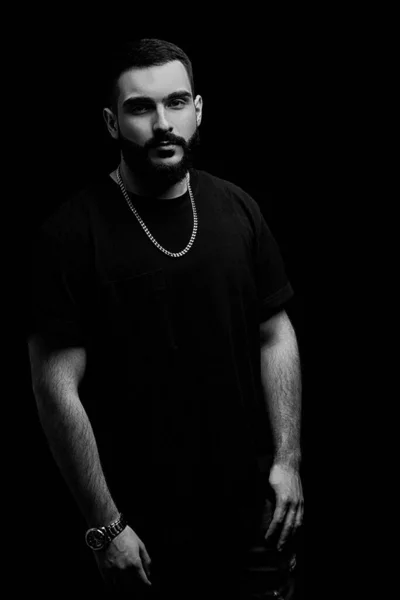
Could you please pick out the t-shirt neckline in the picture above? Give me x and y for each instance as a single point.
(152, 202)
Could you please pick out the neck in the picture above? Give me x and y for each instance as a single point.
(135, 185)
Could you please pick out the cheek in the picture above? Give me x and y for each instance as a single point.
(137, 132)
(188, 128)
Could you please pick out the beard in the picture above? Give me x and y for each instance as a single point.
(158, 177)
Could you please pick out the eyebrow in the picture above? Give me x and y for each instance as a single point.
(182, 94)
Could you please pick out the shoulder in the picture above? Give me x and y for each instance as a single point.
(71, 218)
(230, 195)
(206, 178)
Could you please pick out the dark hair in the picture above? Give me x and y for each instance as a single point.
(142, 53)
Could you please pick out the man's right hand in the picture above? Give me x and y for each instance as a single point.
(125, 562)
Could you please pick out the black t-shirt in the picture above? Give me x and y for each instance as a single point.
(172, 386)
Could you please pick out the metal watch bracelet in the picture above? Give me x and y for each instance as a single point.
(98, 538)
(115, 528)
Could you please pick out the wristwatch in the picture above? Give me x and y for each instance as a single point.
(98, 538)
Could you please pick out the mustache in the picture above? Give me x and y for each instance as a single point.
(165, 138)
(134, 147)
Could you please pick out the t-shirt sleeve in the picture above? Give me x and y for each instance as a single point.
(273, 286)
(58, 287)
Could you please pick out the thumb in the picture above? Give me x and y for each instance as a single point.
(279, 508)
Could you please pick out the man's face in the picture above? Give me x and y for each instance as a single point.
(155, 105)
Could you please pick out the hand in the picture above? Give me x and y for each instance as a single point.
(125, 561)
(285, 481)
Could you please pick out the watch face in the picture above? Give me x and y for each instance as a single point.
(95, 539)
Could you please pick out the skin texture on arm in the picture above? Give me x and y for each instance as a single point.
(56, 375)
(281, 382)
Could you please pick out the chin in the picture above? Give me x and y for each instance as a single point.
(169, 173)
(160, 172)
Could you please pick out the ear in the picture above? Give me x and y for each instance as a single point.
(198, 104)
(111, 122)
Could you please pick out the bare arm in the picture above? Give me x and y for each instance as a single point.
(280, 373)
(55, 377)
(281, 381)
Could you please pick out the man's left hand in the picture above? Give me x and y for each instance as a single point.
(285, 480)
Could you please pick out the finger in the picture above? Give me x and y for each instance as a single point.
(299, 516)
(146, 560)
(142, 574)
(287, 528)
(278, 517)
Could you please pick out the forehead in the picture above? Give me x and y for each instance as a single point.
(156, 82)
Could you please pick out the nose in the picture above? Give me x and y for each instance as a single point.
(160, 122)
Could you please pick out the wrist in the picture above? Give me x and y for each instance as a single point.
(99, 538)
(103, 518)
(290, 459)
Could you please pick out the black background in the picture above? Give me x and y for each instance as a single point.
(271, 124)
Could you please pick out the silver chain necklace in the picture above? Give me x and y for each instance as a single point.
(135, 212)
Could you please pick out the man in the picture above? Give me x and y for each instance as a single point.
(164, 365)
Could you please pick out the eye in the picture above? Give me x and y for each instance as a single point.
(139, 109)
(177, 103)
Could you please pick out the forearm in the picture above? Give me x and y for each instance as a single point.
(74, 448)
(281, 382)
